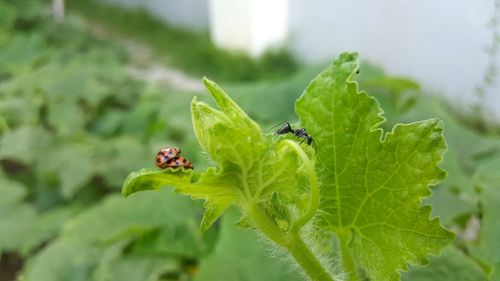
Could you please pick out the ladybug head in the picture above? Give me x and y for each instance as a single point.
(160, 161)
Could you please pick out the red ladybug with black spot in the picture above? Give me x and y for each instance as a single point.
(166, 154)
(179, 162)
(169, 157)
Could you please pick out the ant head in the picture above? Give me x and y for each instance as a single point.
(310, 141)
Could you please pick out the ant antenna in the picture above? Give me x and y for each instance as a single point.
(280, 123)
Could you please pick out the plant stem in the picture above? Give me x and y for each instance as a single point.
(348, 263)
(313, 183)
(290, 241)
(307, 260)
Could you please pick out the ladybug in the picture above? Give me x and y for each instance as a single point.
(179, 162)
(166, 154)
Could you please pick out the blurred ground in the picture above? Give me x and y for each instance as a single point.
(143, 66)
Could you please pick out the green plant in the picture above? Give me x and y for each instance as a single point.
(69, 112)
(73, 124)
(361, 186)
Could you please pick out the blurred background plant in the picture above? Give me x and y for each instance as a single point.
(80, 108)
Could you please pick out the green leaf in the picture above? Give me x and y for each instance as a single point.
(487, 174)
(16, 218)
(372, 183)
(22, 227)
(47, 226)
(448, 206)
(124, 239)
(73, 165)
(452, 265)
(227, 135)
(19, 110)
(114, 165)
(66, 117)
(7, 19)
(62, 260)
(23, 144)
(153, 180)
(20, 52)
(218, 199)
(458, 136)
(488, 249)
(114, 265)
(135, 216)
(12, 192)
(250, 168)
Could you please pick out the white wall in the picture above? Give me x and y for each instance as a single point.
(440, 43)
(252, 26)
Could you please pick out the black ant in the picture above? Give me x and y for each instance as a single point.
(300, 132)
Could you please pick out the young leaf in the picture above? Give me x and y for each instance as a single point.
(372, 183)
(250, 168)
(218, 199)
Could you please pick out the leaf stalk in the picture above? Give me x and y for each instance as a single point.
(290, 241)
(313, 184)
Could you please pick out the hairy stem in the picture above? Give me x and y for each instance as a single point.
(313, 183)
(307, 260)
(347, 260)
(290, 241)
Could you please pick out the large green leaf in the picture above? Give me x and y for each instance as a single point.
(372, 182)
(461, 160)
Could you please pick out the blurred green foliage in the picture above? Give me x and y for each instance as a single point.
(73, 124)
